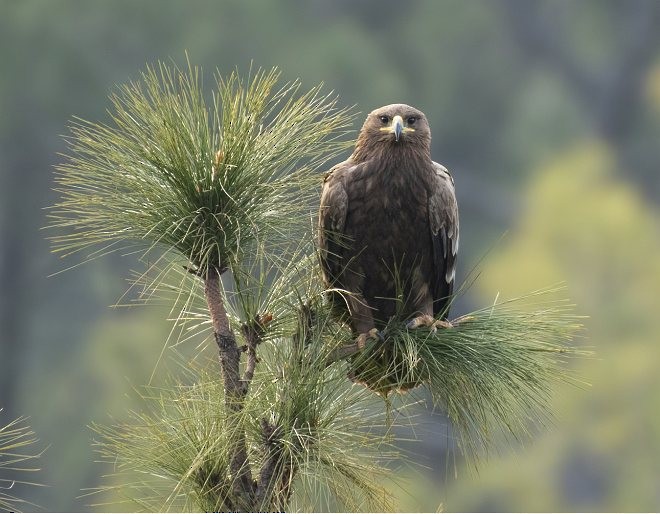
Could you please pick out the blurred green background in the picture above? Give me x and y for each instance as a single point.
(548, 114)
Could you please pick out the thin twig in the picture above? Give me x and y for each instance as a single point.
(253, 334)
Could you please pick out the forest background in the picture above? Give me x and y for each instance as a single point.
(546, 112)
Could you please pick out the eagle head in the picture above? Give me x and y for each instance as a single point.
(398, 124)
(393, 128)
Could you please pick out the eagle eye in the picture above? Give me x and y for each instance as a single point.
(384, 119)
(411, 120)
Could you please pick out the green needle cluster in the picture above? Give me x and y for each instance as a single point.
(493, 372)
(208, 179)
(16, 460)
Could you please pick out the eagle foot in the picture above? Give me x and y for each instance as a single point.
(362, 339)
(428, 321)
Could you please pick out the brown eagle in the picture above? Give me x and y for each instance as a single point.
(388, 226)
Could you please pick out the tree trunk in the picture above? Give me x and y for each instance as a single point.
(230, 354)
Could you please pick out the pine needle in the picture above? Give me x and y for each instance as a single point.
(493, 372)
(15, 437)
(211, 182)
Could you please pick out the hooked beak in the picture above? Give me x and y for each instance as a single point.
(397, 127)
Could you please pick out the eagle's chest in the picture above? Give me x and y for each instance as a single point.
(388, 216)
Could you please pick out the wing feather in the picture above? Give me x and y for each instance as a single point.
(332, 219)
(443, 222)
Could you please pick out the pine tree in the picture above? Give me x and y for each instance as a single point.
(219, 199)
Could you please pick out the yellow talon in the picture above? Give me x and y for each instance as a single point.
(428, 321)
(362, 338)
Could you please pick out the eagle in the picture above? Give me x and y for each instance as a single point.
(388, 227)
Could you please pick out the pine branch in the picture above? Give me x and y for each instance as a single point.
(278, 472)
(253, 333)
(230, 354)
(217, 185)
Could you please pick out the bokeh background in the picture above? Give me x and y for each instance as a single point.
(548, 114)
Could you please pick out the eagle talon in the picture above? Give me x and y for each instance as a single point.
(440, 323)
(428, 321)
(420, 321)
(374, 333)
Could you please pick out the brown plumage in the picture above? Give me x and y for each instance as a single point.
(389, 215)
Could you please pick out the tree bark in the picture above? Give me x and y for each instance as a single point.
(230, 354)
(272, 490)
